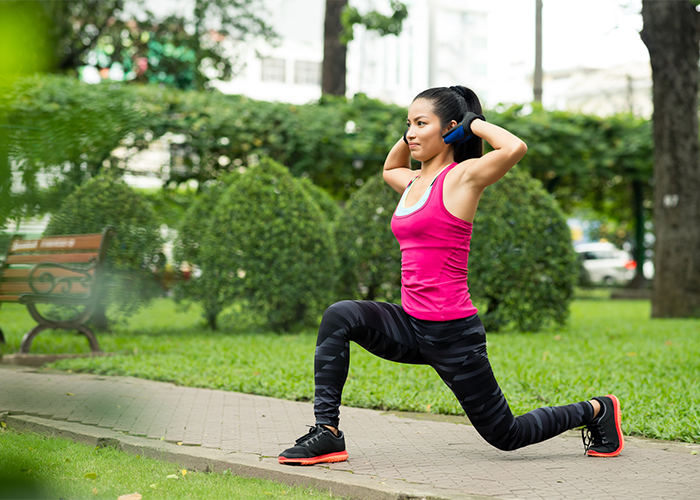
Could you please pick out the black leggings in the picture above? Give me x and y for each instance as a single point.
(455, 349)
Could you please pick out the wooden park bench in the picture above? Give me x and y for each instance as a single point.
(62, 270)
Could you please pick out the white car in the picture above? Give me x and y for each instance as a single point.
(606, 264)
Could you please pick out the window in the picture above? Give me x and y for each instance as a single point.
(273, 70)
(307, 72)
(472, 19)
(479, 42)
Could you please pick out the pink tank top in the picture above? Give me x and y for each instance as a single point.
(434, 254)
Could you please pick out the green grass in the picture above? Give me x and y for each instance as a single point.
(653, 366)
(34, 466)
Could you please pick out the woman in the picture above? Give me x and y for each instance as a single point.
(437, 323)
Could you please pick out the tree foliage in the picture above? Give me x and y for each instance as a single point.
(373, 20)
(583, 159)
(339, 20)
(183, 49)
(61, 125)
(63, 129)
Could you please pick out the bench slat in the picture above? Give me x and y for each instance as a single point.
(9, 298)
(34, 258)
(57, 244)
(23, 274)
(18, 288)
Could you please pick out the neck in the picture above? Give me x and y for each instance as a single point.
(435, 164)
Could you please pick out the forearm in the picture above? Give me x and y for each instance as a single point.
(398, 157)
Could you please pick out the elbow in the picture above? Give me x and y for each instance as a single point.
(385, 174)
(519, 150)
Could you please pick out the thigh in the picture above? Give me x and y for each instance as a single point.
(381, 328)
(461, 360)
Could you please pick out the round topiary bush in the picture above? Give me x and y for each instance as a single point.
(370, 258)
(135, 249)
(267, 245)
(196, 244)
(522, 265)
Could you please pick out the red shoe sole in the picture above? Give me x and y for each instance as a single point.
(340, 456)
(618, 427)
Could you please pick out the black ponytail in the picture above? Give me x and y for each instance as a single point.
(452, 103)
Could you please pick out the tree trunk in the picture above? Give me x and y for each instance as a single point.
(639, 280)
(672, 35)
(99, 317)
(212, 319)
(334, 52)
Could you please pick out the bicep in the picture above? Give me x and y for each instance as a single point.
(491, 167)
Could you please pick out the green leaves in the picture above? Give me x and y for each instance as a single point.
(522, 266)
(373, 20)
(370, 258)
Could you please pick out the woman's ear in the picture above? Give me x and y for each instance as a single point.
(449, 126)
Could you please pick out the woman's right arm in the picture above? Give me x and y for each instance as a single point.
(397, 167)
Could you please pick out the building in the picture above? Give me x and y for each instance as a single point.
(443, 42)
(624, 88)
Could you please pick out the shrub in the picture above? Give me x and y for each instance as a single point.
(197, 244)
(135, 248)
(370, 258)
(522, 264)
(266, 244)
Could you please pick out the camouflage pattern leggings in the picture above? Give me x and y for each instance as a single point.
(455, 349)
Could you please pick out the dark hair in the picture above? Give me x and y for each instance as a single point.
(452, 103)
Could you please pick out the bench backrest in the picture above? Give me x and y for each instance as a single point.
(55, 265)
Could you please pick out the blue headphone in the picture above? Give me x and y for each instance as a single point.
(462, 132)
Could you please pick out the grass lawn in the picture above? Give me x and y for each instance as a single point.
(653, 366)
(34, 466)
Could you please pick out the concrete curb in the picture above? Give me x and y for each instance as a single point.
(37, 360)
(242, 464)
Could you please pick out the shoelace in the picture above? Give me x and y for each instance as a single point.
(587, 439)
(592, 434)
(308, 435)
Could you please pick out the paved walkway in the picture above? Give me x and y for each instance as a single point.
(390, 455)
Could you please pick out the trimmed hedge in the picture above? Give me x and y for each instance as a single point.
(264, 243)
(134, 252)
(522, 263)
(370, 258)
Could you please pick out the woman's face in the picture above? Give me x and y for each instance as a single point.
(424, 133)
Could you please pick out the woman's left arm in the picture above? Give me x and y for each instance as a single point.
(507, 151)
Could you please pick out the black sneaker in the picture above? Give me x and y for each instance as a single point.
(318, 446)
(603, 437)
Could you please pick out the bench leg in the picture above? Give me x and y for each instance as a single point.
(2, 337)
(94, 346)
(31, 335)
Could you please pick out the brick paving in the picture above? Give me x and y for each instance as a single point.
(444, 456)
